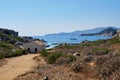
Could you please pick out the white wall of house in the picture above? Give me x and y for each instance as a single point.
(32, 46)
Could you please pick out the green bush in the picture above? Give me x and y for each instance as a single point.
(7, 55)
(19, 38)
(65, 59)
(67, 46)
(53, 57)
(2, 55)
(100, 51)
(44, 53)
(19, 52)
(114, 40)
(5, 46)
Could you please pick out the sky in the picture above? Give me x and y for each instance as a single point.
(40, 17)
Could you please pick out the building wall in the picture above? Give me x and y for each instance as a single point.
(32, 47)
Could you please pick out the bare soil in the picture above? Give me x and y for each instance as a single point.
(17, 66)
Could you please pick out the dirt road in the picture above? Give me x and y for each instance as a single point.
(17, 66)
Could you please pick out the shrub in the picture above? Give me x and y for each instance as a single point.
(62, 60)
(19, 52)
(44, 53)
(107, 67)
(115, 76)
(7, 55)
(71, 57)
(5, 46)
(67, 46)
(88, 58)
(98, 42)
(86, 44)
(80, 66)
(53, 57)
(100, 51)
(19, 38)
(2, 55)
(65, 59)
(114, 40)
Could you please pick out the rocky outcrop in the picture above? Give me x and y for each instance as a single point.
(9, 35)
(117, 35)
(8, 32)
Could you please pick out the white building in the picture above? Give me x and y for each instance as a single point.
(34, 46)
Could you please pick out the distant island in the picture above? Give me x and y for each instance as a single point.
(101, 31)
(107, 32)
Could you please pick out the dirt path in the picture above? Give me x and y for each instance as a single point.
(17, 66)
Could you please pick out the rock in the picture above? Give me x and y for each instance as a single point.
(45, 78)
(76, 54)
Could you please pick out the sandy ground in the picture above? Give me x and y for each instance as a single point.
(17, 66)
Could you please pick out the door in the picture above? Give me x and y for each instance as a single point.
(35, 50)
(28, 50)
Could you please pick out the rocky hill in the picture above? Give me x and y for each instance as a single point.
(107, 32)
(9, 36)
(8, 32)
(8, 48)
(83, 32)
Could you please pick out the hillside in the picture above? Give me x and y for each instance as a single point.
(8, 38)
(77, 62)
(107, 32)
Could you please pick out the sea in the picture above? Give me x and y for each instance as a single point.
(54, 40)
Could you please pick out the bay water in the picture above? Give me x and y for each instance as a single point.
(54, 40)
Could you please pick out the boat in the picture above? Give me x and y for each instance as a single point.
(73, 39)
(55, 43)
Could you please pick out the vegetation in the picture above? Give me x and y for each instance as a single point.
(12, 54)
(6, 46)
(114, 41)
(68, 46)
(8, 38)
(108, 67)
(100, 51)
(57, 57)
(98, 57)
(53, 57)
(16, 38)
(44, 53)
(2, 55)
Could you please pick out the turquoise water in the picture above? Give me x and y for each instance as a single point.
(55, 39)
